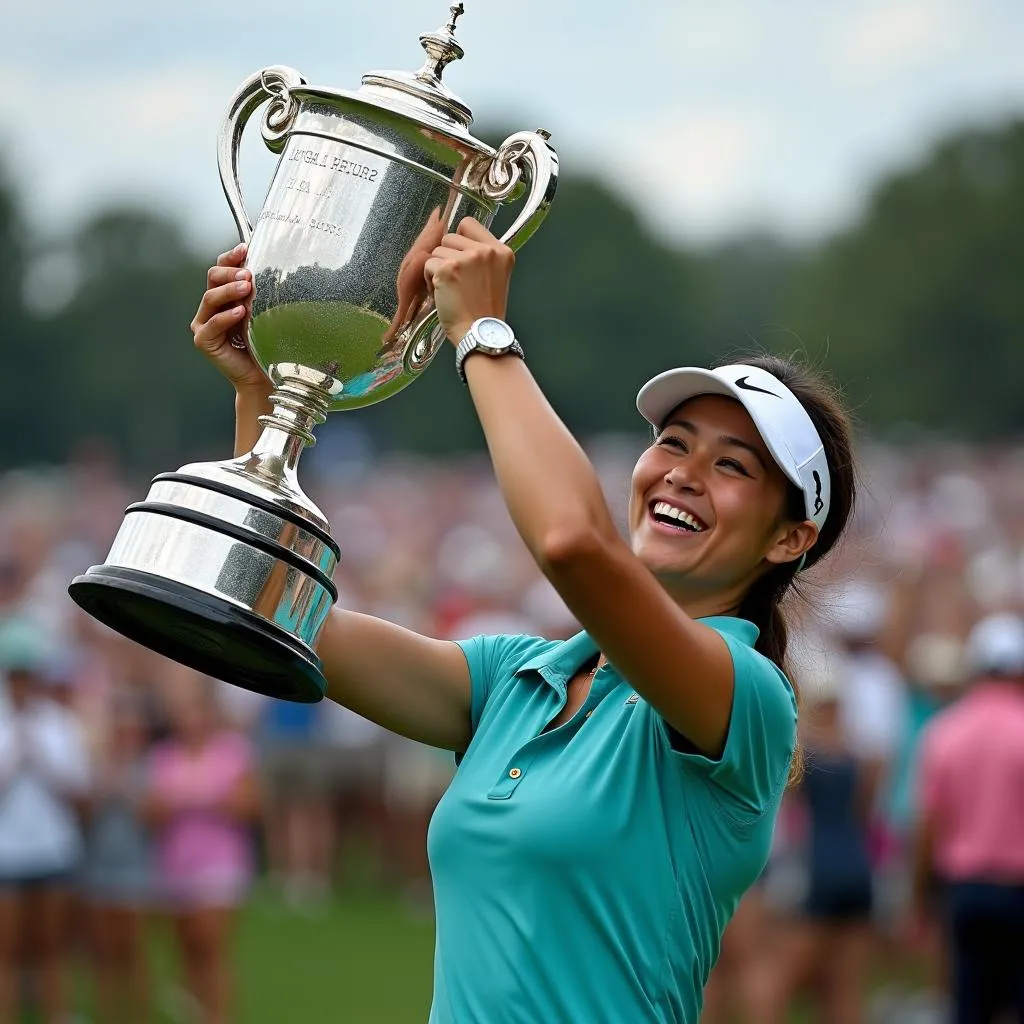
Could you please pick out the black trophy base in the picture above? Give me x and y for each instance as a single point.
(201, 631)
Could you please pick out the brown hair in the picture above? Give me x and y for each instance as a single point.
(762, 604)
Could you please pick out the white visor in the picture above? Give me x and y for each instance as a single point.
(781, 420)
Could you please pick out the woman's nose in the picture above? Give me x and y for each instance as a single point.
(685, 475)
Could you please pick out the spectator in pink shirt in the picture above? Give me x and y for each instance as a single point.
(971, 825)
(203, 803)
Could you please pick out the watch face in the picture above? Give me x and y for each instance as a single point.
(494, 333)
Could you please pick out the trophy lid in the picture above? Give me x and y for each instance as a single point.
(424, 89)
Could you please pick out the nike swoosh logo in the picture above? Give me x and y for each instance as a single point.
(742, 383)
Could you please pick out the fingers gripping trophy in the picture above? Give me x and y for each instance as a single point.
(227, 566)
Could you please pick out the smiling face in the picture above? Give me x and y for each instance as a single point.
(710, 511)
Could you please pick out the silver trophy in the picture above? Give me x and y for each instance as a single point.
(227, 566)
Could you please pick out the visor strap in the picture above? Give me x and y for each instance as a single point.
(800, 565)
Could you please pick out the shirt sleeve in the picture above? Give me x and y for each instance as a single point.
(752, 771)
(492, 659)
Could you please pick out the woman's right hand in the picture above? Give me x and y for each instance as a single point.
(221, 314)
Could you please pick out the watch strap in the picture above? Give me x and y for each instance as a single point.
(469, 345)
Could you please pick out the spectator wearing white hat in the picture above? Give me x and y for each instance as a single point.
(872, 706)
(872, 695)
(44, 775)
(971, 827)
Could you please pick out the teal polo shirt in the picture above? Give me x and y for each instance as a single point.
(585, 875)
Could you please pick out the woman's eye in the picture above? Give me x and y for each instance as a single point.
(733, 464)
(674, 442)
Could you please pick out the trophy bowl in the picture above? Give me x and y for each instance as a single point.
(228, 566)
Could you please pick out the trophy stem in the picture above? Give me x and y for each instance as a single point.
(299, 405)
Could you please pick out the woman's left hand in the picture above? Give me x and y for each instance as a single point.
(468, 275)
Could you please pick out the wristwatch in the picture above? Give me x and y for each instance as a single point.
(489, 335)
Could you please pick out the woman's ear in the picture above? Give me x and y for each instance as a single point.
(791, 542)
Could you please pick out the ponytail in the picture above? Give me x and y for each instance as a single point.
(762, 604)
(762, 607)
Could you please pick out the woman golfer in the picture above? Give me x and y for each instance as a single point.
(616, 792)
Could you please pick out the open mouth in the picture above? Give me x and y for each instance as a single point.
(675, 518)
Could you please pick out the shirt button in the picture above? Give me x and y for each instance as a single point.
(514, 773)
(588, 714)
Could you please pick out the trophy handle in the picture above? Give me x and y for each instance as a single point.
(529, 155)
(274, 84)
(523, 155)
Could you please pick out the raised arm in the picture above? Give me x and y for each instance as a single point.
(680, 666)
(408, 683)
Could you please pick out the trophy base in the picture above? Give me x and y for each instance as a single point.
(227, 567)
(200, 630)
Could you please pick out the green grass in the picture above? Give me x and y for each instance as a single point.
(362, 958)
(366, 959)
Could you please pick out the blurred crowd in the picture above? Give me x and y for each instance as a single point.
(131, 788)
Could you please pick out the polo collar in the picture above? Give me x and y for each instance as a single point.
(560, 662)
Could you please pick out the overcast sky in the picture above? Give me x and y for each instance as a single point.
(717, 116)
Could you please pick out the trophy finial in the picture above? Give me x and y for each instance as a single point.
(457, 11)
(442, 48)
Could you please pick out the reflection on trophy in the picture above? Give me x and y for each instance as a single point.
(227, 567)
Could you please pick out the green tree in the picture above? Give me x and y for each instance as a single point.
(917, 309)
(743, 285)
(24, 404)
(922, 303)
(128, 370)
(12, 252)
